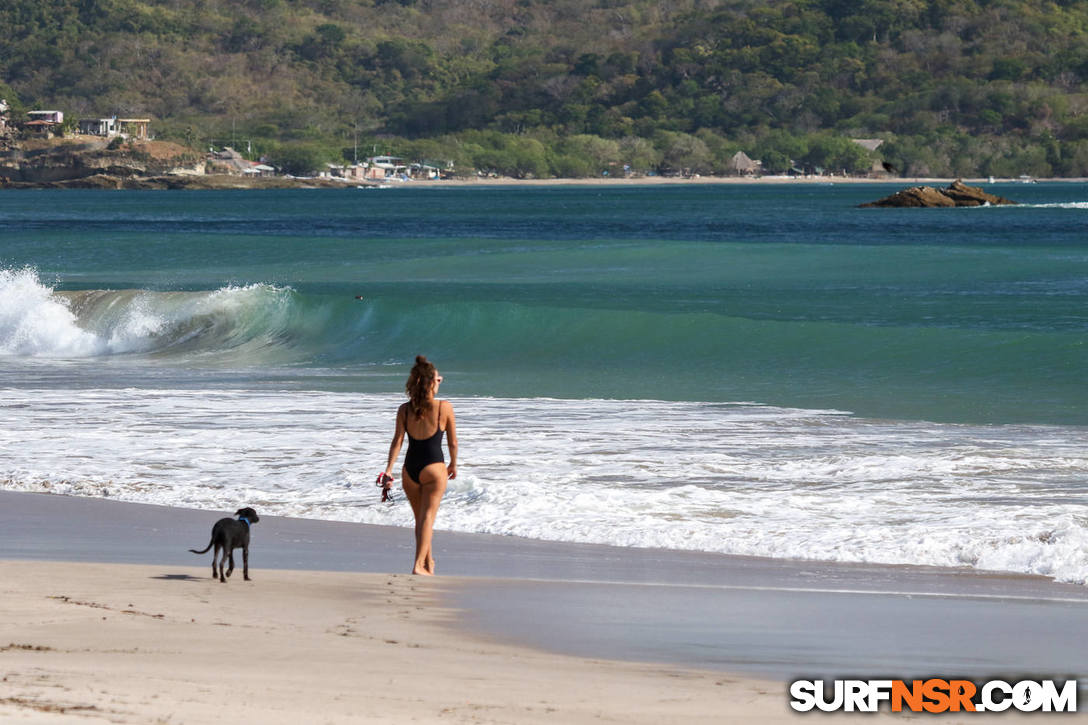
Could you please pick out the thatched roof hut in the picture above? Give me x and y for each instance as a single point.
(743, 165)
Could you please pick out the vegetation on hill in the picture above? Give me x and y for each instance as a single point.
(577, 87)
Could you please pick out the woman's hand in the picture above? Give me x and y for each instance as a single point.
(385, 481)
(452, 470)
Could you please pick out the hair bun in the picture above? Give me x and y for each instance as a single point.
(421, 359)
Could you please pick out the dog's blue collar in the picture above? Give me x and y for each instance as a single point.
(243, 518)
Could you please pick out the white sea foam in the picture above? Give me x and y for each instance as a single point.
(1058, 205)
(34, 322)
(741, 479)
(1020, 206)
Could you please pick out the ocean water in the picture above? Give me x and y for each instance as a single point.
(763, 370)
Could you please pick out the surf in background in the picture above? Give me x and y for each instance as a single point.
(36, 321)
(985, 355)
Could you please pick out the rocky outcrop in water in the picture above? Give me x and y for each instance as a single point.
(957, 194)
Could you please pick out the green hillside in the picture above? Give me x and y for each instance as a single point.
(572, 88)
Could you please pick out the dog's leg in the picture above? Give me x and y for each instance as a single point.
(223, 565)
(230, 553)
(215, 557)
(245, 563)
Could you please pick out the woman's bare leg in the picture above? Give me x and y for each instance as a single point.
(432, 488)
(411, 491)
(414, 493)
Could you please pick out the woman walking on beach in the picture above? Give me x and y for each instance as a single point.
(425, 474)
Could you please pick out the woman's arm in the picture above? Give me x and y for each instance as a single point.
(451, 441)
(398, 441)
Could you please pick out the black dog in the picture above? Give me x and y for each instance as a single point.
(228, 535)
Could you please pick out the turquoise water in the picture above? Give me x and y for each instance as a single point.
(756, 370)
(781, 295)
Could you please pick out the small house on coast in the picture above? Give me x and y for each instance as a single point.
(47, 116)
(258, 169)
(386, 167)
(394, 167)
(98, 126)
(355, 172)
(431, 169)
(743, 165)
(44, 123)
(138, 128)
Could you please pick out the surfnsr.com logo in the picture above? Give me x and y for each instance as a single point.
(934, 695)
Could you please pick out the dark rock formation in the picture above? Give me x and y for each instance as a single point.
(957, 194)
(965, 195)
(914, 196)
(95, 181)
(80, 160)
(210, 181)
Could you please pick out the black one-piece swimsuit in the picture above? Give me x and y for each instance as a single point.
(422, 452)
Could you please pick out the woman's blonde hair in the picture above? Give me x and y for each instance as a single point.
(420, 381)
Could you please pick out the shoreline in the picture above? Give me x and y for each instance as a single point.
(42, 526)
(507, 612)
(719, 180)
(213, 182)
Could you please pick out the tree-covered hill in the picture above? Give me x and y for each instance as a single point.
(576, 87)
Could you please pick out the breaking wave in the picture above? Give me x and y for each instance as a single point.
(38, 321)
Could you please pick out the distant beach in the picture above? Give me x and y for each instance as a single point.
(230, 182)
(670, 180)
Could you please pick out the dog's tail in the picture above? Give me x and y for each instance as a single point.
(205, 548)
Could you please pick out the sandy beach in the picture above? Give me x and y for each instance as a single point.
(485, 181)
(227, 182)
(151, 644)
(105, 617)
